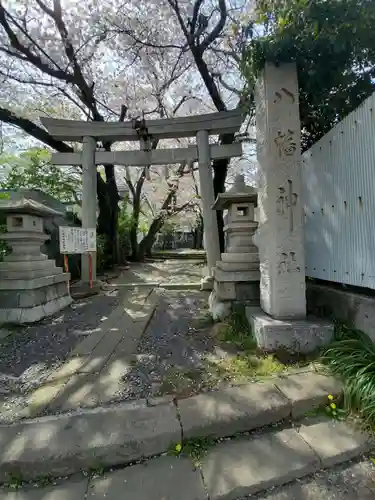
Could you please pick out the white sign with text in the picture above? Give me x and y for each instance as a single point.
(77, 240)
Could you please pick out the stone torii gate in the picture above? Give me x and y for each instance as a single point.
(200, 126)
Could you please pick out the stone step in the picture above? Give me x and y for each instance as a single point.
(116, 435)
(247, 466)
(228, 471)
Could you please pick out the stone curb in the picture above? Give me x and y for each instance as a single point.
(250, 406)
(181, 286)
(229, 470)
(159, 284)
(65, 444)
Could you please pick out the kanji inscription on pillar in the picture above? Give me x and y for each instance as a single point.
(281, 247)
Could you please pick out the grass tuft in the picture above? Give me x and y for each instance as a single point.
(248, 362)
(237, 331)
(352, 357)
(195, 448)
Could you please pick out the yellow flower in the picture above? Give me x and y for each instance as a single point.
(330, 397)
(178, 447)
(333, 406)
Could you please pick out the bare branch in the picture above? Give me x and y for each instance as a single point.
(217, 29)
(197, 6)
(34, 130)
(176, 9)
(228, 53)
(29, 55)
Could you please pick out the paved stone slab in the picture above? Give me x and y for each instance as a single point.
(67, 490)
(344, 482)
(335, 442)
(236, 409)
(42, 397)
(164, 478)
(58, 446)
(67, 369)
(85, 347)
(244, 467)
(87, 391)
(118, 365)
(308, 390)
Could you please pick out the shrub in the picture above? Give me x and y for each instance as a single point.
(352, 357)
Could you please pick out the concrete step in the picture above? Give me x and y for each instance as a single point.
(120, 434)
(246, 466)
(229, 470)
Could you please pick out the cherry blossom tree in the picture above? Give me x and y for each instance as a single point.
(110, 60)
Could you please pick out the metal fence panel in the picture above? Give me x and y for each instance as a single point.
(338, 185)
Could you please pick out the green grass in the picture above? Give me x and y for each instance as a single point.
(236, 330)
(241, 362)
(195, 448)
(352, 357)
(248, 362)
(15, 480)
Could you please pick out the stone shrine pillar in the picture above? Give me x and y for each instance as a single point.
(89, 187)
(211, 233)
(236, 275)
(31, 286)
(280, 236)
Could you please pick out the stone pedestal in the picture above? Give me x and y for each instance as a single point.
(236, 275)
(31, 286)
(280, 234)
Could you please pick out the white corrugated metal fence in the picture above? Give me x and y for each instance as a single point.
(338, 186)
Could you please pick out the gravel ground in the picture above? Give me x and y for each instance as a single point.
(177, 341)
(29, 354)
(350, 481)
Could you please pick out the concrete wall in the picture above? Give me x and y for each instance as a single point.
(354, 308)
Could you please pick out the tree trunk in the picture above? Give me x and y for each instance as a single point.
(113, 198)
(108, 199)
(198, 234)
(134, 227)
(145, 246)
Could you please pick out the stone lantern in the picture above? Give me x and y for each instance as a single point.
(31, 286)
(236, 275)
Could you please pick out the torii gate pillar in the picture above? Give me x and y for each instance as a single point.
(89, 185)
(211, 233)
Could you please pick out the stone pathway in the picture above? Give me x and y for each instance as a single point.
(28, 355)
(350, 481)
(164, 271)
(224, 432)
(83, 356)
